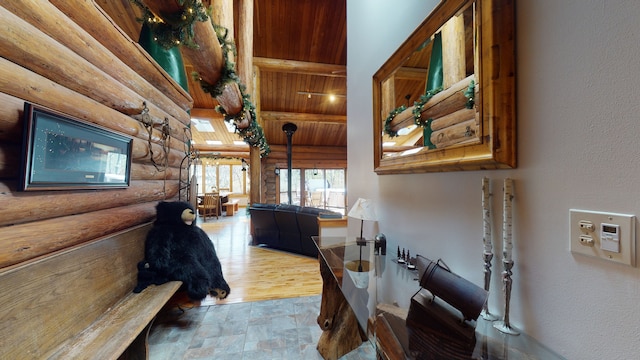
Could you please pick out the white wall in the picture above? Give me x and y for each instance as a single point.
(578, 98)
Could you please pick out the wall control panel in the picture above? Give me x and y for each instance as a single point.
(608, 236)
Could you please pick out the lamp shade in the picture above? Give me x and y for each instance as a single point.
(363, 210)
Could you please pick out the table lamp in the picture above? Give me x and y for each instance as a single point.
(363, 210)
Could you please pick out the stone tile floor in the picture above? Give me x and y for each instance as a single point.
(272, 329)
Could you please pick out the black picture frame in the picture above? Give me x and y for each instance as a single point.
(61, 152)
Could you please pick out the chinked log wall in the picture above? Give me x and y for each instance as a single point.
(49, 57)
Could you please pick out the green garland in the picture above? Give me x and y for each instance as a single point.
(387, 123)
(418, 105)
(252, 134)
(470, 94)
(177, 28)
(228, 73)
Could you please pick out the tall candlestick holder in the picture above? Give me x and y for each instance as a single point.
(487, 257)
(504, 325)
(487, 253)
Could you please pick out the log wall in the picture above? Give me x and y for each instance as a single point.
(72, 58)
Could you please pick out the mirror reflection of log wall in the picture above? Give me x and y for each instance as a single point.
(50, 60)
(483, 137)
(453, 123)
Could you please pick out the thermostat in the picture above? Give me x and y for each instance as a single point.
(610, 237)
(605, 235)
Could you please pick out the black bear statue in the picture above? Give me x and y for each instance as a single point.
(177, 249)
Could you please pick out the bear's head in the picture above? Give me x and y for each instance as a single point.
(175, 213)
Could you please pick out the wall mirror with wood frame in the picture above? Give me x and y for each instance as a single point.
(445, 100)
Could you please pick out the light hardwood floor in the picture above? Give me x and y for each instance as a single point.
(257, 273)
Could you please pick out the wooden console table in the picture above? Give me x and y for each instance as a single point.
(385, 324)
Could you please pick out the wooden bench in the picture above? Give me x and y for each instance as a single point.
(231, 206)
(78, 303)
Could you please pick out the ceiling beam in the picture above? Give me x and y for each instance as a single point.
(408, 73)
(300, 67)
(303, 117)
(222, 148)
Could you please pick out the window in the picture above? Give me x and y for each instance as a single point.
(224, 181)
(323, 188)
(237, 177)
(295, 186)
(214, 175)
(197, 169)
(210, 178)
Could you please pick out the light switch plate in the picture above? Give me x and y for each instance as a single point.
(586, 235)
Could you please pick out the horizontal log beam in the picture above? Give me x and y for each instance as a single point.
(26, 45)
(207, 59)
(231, 99)
(28, 207)
(100, 26)
(19, 82)
(204, 148)
(149, 172)
(230, 154)
(299, 67)
(279, 152)
(407, 73)
(140, 153)
(456, 117)
(441, 104)
(10, 160)
(310, 164)
(27, 241)
(462, 133)
(11, 118)
(56, 24)
(302, 117)
(310, 149)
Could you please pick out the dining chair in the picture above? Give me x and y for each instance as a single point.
(210, 206)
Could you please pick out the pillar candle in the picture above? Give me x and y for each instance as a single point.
(486, 217)
(507, 244)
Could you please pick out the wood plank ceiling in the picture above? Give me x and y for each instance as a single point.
(300, 59)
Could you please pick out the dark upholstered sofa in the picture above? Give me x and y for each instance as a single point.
(287, 227)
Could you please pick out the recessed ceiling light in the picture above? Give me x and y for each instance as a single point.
(202, 125)
(238, 142)
(230, 126)
(214, 142)
(407, 130)
(388, 143)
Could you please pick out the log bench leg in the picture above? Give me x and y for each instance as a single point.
(139, 348)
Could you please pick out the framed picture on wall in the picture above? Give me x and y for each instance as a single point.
(61, 153)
